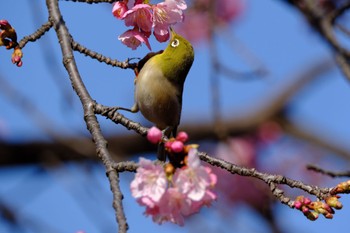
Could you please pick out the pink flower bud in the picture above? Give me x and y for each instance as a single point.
(16, 59)
(168, 145)
(307, 201)
(297, 204)
(182, 136)
(154, 135)
(177, 146)
(4, 23)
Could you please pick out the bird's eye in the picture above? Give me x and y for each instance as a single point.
(175, 43)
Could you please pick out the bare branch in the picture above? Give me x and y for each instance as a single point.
(36, 35)
(101, 58)
(327, 172)
(112, 114)
(271, 180)
(323, 24)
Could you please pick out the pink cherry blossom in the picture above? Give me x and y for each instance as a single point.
(172, 208)
(149, 183)
(194, 179)
(133, 38)
(172, 198)
(119, 9)
(154, 135)
(166, 14)
(162, 34)
(141, 16)
(146, 17)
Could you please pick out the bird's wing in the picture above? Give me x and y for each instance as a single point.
(143, 61)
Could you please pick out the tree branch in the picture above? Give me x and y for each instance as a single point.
(36, 35)
(101, 58)
(323, 24)
(271, 180)
(65, 40)
(327, 172)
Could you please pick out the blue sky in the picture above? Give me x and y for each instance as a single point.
(272, 31)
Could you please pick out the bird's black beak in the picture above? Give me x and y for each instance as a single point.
(173, 33)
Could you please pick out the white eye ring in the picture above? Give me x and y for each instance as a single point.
(175, 43)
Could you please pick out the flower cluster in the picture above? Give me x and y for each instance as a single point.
(144, 17)
(312, 209)
(8, 38)
(171, 193)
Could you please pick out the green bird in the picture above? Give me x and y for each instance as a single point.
(159, 85)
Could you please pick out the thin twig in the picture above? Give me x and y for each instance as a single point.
(327, 172)
(36, 35)
(323, 24)
(112, 114)
(335, 14)
(101, 58)
(344, 29)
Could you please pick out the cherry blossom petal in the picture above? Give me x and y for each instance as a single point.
(161, 33)
(149, 182)
(119, 9)
(141, 16)
(133, 38)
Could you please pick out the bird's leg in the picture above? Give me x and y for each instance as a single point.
(161, 153)
(124, 109)
(133, 109)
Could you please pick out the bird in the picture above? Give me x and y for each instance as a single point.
(159, 85)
